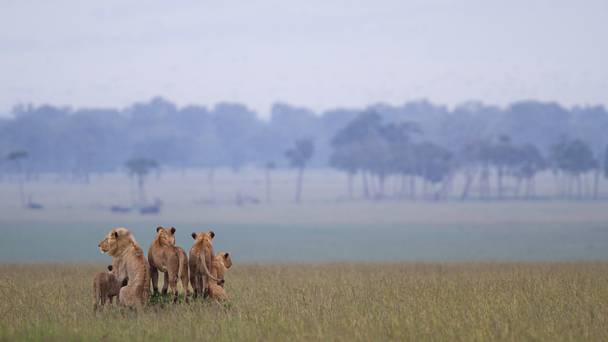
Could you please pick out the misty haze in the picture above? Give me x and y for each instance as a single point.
(429, 170)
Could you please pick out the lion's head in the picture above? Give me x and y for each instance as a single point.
(203, 236)
(116, 241)
(225, 258)
(104, 246)
(166, 237)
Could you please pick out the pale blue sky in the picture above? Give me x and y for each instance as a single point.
(315, 53)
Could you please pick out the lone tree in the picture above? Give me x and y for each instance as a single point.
(298, 156)
(16, 157)
(140, 167)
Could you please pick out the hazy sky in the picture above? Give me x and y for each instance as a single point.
(316, 53)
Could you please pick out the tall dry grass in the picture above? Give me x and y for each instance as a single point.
(405, 301)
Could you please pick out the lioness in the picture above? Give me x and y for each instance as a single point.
(163, 257)
(201, 255)
(129, 263)
(106, 287)
(221, 262)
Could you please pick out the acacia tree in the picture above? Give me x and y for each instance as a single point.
(343, 158)
(351, 146)
(573, 159)
(469, 161)
(298, 157)
(434, 166)
(16, 157)
(529, 161)
(504, 158)
(140, 167)
(374, 150)
(403, 157)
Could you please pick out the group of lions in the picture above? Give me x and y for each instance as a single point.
(129, 276)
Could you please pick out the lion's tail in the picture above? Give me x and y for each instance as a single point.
(205, 269)
(183, 263)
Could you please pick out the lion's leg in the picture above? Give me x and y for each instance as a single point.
(127, 296)
(194, 284)
(200, 286)
(154, 277)
(123, 295)
(205, 287)
(166, 282)
(184, 279)
(171, 276)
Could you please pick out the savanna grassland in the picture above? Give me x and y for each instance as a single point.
(390, 301)
(450, 270)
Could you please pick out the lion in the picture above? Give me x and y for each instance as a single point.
(163, 257)
(201, 255)
(221, 262)
(216, 290)
(106, 287)
(128, 262)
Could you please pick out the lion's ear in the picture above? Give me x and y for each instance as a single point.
(158, 228)
(116, 234)
(172, 230)
(212, 234)
(226, 255)
(194, 236)
(110, 268)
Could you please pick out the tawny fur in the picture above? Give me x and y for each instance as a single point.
(129, 263)
(220, 264)
(183, 273)
(216, 290)
(222, 261)
(163, 257)
(106, 286)
(201, 255)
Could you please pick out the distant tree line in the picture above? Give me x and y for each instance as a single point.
(411, 151)
(398, 152)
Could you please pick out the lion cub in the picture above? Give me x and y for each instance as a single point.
(163, 257)
(106, 286)
(221, 262)
(216, 290)
(201, 255)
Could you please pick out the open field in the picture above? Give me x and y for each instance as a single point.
(191, 189)
(326, 227)
(392, 301)
(498, 270)
(292, 242)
